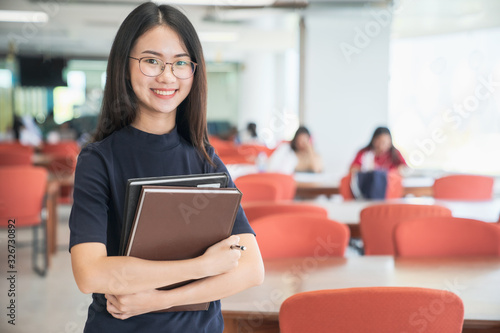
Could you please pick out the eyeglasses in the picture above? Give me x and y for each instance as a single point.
(152, 67)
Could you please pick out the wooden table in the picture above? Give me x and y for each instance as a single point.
(52, 195)
(53, 187)
(43, 160)
(475, 280)
(348, 212)
(309, 188)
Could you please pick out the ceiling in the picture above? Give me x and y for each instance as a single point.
(424, 17)
(86, 28)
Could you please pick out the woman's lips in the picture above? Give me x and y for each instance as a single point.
(164, 93)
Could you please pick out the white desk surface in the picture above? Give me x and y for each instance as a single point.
(348, 211)
(332, 180)
(475, 280)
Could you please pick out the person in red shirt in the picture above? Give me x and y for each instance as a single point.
(379, 154)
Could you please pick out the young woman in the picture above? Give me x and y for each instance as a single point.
(308, 159)
(152, 123)
(297, 156)
(379, 154)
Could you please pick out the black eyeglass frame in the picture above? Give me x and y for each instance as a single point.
(163, 68)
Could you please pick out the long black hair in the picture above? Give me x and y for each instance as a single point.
(393, 151)
(119, 106)
(300, 130)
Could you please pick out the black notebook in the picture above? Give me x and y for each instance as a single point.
(134, 188)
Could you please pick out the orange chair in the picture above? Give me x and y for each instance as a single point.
(446, 236)
(345, 187)
(64, 156)
(64, 148)
(63, 163)
(463, 187)
(21, 198)
(394, 186)
(223, 147)
(13, 144)
(255, 210)
(16, 155)
(253, 150)
(292, 235)
(237, 158)
(285, 183)
(230, 153)
(377, 224)
(373, 309)
(256, 191)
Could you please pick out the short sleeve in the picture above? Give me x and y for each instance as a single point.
(358, 159)
(401, 159)
(89, 214)
(241, 225)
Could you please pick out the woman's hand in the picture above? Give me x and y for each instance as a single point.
(126, 306)
(220, 258)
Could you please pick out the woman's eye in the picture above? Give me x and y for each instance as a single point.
(181, 63)
(152, 61)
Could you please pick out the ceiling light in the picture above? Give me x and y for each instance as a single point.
(23, 16)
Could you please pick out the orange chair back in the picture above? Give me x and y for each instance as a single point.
(16, 156)
(256, 210)
(257, 191)
(13, 144)
(255, 149)
(295, 235)
(373, 309)
(21, 197)
(64, 157)
(345, 187)
(64, 148)
(287, 187)
(223, 147)
(377, 224)
(237, 158)
(16, 146)
(463, 187)
(446, 236)
(394, 186)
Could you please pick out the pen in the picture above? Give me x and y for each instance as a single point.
(241, 247)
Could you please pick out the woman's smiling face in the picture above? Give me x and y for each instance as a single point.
(161, 94)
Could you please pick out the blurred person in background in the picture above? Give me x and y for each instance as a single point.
(373, 164)
(379, 154)
(297, 156)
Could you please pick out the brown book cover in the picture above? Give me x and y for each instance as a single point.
(177, 223)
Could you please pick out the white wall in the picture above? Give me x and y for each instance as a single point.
(269, 94)
(258, 88)
(346, 92)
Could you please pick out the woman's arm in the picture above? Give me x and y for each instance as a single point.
(316, 163)
(95, 272)
(354, 169)
(248, 273)
(312, 159)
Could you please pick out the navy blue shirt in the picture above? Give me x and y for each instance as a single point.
(101, 176)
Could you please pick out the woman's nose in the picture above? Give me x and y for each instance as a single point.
(167, 75)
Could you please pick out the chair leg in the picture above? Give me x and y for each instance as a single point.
(40, 249)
